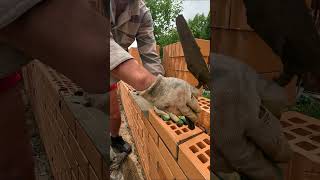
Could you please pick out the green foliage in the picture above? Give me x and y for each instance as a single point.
(200, 26)
(164, 13)
(307, 105)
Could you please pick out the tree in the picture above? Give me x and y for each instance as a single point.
(200, 26)
(164, 13)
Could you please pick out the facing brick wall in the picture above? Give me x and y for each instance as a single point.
(73, 150)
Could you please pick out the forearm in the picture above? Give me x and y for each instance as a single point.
(77, 49)
(134, 74)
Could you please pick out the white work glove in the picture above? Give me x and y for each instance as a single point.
(247, 136)
(175, 96)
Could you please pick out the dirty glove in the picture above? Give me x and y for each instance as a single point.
(248, 137)
(173, 95)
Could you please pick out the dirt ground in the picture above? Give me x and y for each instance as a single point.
(42, 167)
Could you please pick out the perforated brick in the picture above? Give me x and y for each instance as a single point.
(204, 116)
(303, 135)
(170, 133)
(194, 157)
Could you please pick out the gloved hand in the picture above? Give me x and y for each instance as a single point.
(247, 136)
(173, 95)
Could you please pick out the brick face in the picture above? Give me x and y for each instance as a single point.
(71, 152)
(159, 142)
(170, 133)
(303, 134)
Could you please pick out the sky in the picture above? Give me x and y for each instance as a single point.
(190, 9)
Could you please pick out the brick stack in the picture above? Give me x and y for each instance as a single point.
(232, 36)
(303, 134)
(204, 116)
(135, 53)
(75, 148)
(174, 62)
(166, 151)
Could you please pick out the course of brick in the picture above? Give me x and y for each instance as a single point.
(303, 134)
(174, 61)
(73, 135)
(166, 151)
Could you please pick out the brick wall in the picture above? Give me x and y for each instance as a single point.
(166, 151)
(232, 36)
(174, 62)
(73, 135)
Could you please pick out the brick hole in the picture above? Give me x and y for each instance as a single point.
(202, 158)
(168, 122)
(173, 127)
(178, 132)
(297, 120)
(301, 132)
(316, 139)
(285, 124)
(207, 141)
(208, 152)
(314, 127)
(194, 149)
(289, 136)
(209, 168)
(185, 130)
(306, 146)
(201, 145)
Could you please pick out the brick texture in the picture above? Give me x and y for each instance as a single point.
(158, 142)
(204, 116)
(71, 152)
(303, 134)
(194, 157)
(174, 62)
(171, 134)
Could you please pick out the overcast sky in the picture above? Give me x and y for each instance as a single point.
(190, 9)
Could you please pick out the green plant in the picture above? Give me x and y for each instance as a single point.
(307, 105)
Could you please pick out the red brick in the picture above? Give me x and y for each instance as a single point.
(79, 155)
(204, 116)
(158, 165)
(194, 157)
(92, 174)
(89, 149)
(170, 133)
(173, 165)
(303, 136)
(83, 175)
(68, 116)
(62, 124)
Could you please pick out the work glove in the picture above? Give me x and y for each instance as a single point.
(247, 135)
(175, 96)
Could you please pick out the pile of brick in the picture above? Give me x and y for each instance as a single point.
(174, 61)
(166, 151)
(303, 134)
(73, 135)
